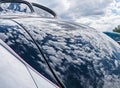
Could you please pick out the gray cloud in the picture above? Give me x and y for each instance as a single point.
(89, 12)
(76, 8)
(88, 7)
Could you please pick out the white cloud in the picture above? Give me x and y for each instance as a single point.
(110, 20)
(78, 7)
(106, 23)
(103, 15)
(88, 7)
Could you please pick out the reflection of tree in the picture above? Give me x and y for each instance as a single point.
(117, 29)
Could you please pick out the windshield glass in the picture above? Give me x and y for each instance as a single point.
(14, 7)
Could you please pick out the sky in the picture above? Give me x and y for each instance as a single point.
(103, 15)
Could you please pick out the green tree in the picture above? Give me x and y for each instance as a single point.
(117, 29)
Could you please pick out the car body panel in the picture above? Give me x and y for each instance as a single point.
(11, 70)
(15, 73)
(17, 38)
(78, 54)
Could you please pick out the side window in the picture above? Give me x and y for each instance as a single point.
(23, 45)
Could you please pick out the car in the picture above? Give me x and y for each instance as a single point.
(16, 73)
(68, 54)
(114, 35)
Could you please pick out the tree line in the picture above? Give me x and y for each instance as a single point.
(117, 29)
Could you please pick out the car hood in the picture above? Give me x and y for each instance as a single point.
(80, 56)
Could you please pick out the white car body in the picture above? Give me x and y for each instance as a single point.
(15, 73)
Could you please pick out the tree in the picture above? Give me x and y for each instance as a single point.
(117, 29)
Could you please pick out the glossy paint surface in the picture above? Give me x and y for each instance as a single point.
(16, 73)
(13, 74)
(23, 45)
(80, 56)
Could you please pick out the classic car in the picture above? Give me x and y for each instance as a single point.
(68, 54)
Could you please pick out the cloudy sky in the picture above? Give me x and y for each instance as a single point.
(102, 15)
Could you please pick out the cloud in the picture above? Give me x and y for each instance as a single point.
(106, 23)
(88, 7)
(78, 7)
(110, 20)
(103, 15)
